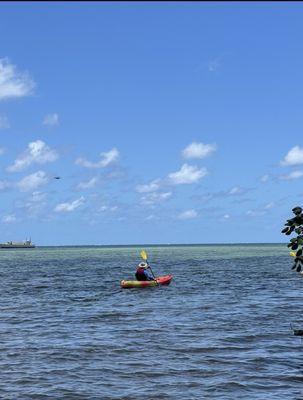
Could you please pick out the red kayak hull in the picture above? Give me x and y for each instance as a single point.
(160, 280)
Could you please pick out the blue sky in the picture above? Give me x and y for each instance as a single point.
(167, 122)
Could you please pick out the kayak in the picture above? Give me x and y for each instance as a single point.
(160, 280)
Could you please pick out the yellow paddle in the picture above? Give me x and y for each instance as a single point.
(143, 255)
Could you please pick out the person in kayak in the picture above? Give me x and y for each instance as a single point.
(143, 274)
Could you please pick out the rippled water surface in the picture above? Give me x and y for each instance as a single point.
(219, 331)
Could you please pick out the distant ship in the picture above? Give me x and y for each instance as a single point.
(17, 245)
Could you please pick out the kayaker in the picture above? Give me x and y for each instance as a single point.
(143, 273)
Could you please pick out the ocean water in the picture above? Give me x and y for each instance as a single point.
(219, 331)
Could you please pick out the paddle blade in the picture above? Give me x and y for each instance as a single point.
(143, 255)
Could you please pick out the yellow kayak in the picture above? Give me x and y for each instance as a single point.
(161, 280)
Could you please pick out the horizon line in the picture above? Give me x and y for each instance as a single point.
(164, 244)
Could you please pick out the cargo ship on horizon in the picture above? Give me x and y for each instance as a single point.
(18, 245)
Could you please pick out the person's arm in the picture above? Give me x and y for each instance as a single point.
(149, 275)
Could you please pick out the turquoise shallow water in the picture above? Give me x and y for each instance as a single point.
(219, 331)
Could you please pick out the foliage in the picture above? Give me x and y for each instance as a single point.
(295, 225)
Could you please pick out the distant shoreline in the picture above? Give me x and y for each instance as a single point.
(164, 245)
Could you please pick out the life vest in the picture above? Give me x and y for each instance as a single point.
(140, 275)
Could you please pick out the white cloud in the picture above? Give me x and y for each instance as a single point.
(255, 213)
(8, 219)
(213, 65)
(2, 150)
(33, 181)
(264, 178)
(153, 198)
(292, 175)
(187, 174)
(293, 157)
(150, 217)
(261, 210)
(37, 197)
(107, 158)
(13, 83)
(88, 184)
(51, 119)
(226, 216)
(236, 190)
(150, 187)
(198, 150)
(68, 207)
(37, 152)
(4, 124)
(35, 205)
(188, 214)
(107, 208)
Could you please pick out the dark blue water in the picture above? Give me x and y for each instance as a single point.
(219, 331)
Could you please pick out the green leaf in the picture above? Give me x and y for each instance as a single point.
(297, 210)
